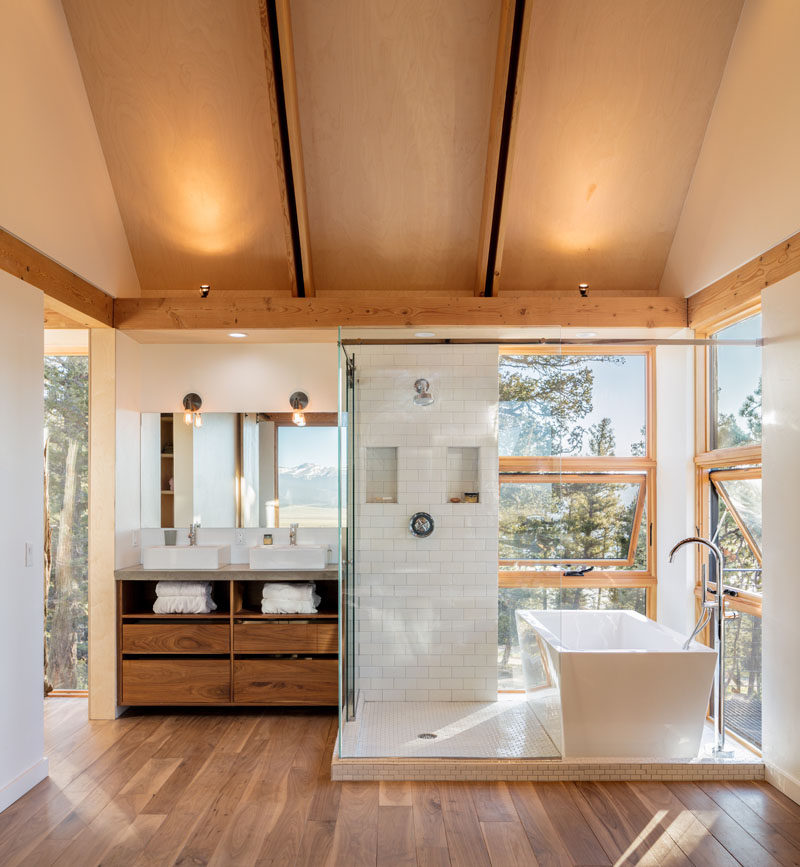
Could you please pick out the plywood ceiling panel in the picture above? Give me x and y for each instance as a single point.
(616, 96)
(394, 101)
(178, 90)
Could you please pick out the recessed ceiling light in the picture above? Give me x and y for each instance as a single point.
(586, 334)
(237, 334)
(424, 334)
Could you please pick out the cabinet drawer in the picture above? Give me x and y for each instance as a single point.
(176, 681)
(286, 681)
(327, 635)
(273, 636)
(176, 638)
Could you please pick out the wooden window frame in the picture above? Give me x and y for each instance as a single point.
(595, 468)
(737, 462)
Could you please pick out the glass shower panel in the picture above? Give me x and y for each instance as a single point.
(422, 613)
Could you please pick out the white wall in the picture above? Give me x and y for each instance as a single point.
(744, 193)
(22, 762)
(55, 192)
(427, 607)
(675, 484)
(781, 518)
(239, 378)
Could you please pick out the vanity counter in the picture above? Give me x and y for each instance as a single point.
(231, 572)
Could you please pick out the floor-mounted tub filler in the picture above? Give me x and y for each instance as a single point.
(614, 683)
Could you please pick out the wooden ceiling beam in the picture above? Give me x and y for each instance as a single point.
(512, 45)
(240, 310)
(740, 290)
(67, 294)
(276, 35)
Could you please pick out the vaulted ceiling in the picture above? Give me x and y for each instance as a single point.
(393, 146)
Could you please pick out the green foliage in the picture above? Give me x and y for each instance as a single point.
(66, 408)
(730, 432)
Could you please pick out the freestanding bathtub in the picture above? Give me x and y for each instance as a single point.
(613, 683)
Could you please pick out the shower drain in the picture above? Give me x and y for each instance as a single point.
(427, 736)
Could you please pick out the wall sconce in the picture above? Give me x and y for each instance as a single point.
(298, 402)
(191, 405)
(205, 288)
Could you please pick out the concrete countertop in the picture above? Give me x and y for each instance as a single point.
(231, 572)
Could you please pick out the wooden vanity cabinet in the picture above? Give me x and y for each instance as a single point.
(234, 655)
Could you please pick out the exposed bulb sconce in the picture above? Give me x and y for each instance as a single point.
(423, 396)
(298, 401)
(205, 288)
(191, 406)
(583, 288)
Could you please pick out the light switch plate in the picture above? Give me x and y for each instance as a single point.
(134, 538)
(29, 553)
(239, 537)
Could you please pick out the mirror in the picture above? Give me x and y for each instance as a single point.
(239, 470)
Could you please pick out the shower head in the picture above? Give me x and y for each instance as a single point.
(423, 396)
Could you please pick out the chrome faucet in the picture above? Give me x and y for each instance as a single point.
(293, 534)
(713, 610)
(193, 533)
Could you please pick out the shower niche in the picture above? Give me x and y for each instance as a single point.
(381, 474)
(462, 474)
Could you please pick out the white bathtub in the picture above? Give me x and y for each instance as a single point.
(613, 683)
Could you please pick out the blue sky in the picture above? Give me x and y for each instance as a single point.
(738, 367)
(307, 445)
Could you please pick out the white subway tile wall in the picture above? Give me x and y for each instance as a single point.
(427, 618)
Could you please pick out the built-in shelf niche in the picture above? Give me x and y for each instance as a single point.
(381, 474)
(462, 471)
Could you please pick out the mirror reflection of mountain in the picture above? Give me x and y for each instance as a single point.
(308, 483)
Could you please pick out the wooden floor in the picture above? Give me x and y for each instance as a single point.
(253, 787)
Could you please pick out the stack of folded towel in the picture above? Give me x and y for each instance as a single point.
(183, 597)
(279, 598)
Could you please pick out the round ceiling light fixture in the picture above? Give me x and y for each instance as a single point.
(583, 288)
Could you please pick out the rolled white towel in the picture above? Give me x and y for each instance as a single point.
(183, 588)
(289, 606)
(277, 590)
(184, 605)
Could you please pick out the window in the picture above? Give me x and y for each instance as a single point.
(307, 469)
(577, 469)
(66, 406)
(729, 504)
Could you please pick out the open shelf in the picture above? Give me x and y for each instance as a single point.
(248, 614)
(214, 615)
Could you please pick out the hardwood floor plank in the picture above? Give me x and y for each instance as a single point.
(282, 844)
(132, 840)
(464, 838)
(317, 839)
(430, 836)
(653, 842)
(545, 841)
(728, 831)
(394, 793)
(694, 839)
(759, 798)
(325, 803)
(396, 846)
(573, 829)
(507, 844)
(493, 802)
(781, 848)
(355, 841)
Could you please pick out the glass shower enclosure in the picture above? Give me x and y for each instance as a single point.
(419, 524)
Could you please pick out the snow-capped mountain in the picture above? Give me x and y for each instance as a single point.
(309, 484)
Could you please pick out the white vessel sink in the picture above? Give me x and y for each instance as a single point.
(288, 557)
(186, 557)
